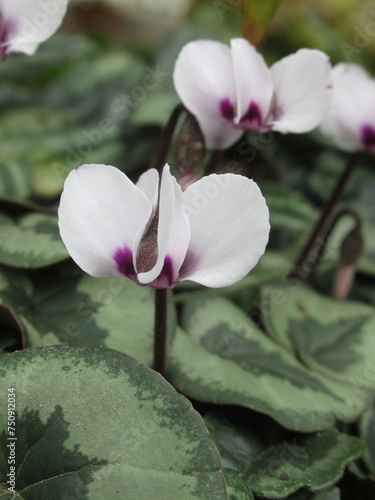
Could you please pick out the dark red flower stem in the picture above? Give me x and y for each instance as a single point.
(160, 327)
(327, 210)
(160, 337)
(161, 155)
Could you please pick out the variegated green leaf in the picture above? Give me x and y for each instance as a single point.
(114, 312)
(15, 180)
(279, 470)
(223, 357)
(31, 241)
(314, 462)
(331, 337)
(100, 426)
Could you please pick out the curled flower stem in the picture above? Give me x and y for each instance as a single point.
(322, 243)
(297, 270)
(160, 337)
(161, 156)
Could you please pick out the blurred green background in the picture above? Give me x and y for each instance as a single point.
(81, 98)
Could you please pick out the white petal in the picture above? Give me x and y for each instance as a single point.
(303, 91)
(353, 106)
(229, 229)
(29, 22)
(101, 212)
(218, 132)
(203, 78)
(173, 235)
(149, 184)
(253, 79)
(203, 75)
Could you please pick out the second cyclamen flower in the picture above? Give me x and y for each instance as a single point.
(212, 233)
(230, 90)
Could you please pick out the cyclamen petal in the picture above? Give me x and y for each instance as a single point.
(95, 220)
(173, 235)
(203, 78)
(213, 233)
(232, 90)
(229, 229)
(149, 184)
(303, 91)
(26, 23)
(203, 75)
(351, 119)
(253, 83)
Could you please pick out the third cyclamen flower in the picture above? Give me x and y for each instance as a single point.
(212, 233)
(24, 24)
(351, 120)
(230, 90)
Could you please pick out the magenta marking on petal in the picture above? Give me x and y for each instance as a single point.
(368, 136)
(7, 31)
(189, 265)
(166, 277)
(277, 113)
(252, 119)
(226, 109)
(124, 261)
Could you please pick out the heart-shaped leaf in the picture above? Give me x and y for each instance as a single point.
(114, 312)
(312, 462)
(31, 241)
(223, 357)
(91, 423)
(238, 446)
(331, 337)
(277, 471)
(15, 180)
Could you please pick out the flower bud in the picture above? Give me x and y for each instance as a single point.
(352, 246)
(189, 151)
(351, 250)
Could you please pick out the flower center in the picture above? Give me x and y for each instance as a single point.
(148, 247)
(368, 136)
(227, 109)
(6, 28)
(252, 117)
(251, 120)
(124, 262)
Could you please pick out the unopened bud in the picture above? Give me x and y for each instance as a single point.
(343, 281)
(189, 151)
(351, 250)
(352, 246)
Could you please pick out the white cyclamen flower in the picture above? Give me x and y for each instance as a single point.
(351, 119)
(24, 24)
(230, 90)
(213, 233)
